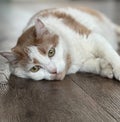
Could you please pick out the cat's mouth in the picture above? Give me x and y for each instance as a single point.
(58, 76)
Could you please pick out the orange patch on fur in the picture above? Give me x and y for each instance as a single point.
(68, 20)
(35, 61)
(45, 42)
(68, 60)
(91, 12)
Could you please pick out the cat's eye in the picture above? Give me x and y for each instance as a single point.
(51, 52)
(35, 68)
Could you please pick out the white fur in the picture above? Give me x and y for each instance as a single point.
(94, 24)
(95, 53)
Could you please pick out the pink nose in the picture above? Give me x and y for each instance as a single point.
(53, 71)
(51, 68)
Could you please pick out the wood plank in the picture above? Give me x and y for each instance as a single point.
(104, 91)
(49, 101)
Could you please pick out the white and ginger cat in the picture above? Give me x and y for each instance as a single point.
(61, 41)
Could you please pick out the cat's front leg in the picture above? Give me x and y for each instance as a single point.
(97, 66)
(94, 65)
(104, 50)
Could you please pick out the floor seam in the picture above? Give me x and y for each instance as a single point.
(95, 101)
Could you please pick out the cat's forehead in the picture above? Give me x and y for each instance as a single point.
(27, 38)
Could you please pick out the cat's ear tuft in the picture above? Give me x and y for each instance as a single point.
(9, 56)
(40, 27)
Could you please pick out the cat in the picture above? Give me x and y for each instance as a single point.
(61, 41)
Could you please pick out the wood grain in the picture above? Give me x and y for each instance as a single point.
(104, 91)
(49, 101)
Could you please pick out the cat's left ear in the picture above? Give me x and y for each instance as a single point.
(40, 28)
(9, 56)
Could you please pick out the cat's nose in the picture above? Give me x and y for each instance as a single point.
(53, 71)
(51, 68)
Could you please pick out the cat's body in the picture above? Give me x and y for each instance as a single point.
(62, 41)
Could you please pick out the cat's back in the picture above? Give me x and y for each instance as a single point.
(83, 15)
(87, 17)
(81, 20)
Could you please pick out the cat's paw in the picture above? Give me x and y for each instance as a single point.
(117, 73)
(106, 69)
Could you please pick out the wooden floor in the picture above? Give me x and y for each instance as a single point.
(78, 98)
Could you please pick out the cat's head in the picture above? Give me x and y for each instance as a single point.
(39, 54)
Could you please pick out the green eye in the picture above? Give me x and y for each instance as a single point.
(51, 52)
(35, 69)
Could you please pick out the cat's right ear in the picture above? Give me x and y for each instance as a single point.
(40, 28)
(9, 56)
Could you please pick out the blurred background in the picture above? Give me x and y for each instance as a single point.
(56, 0)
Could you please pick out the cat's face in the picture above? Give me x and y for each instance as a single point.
(39, 55)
